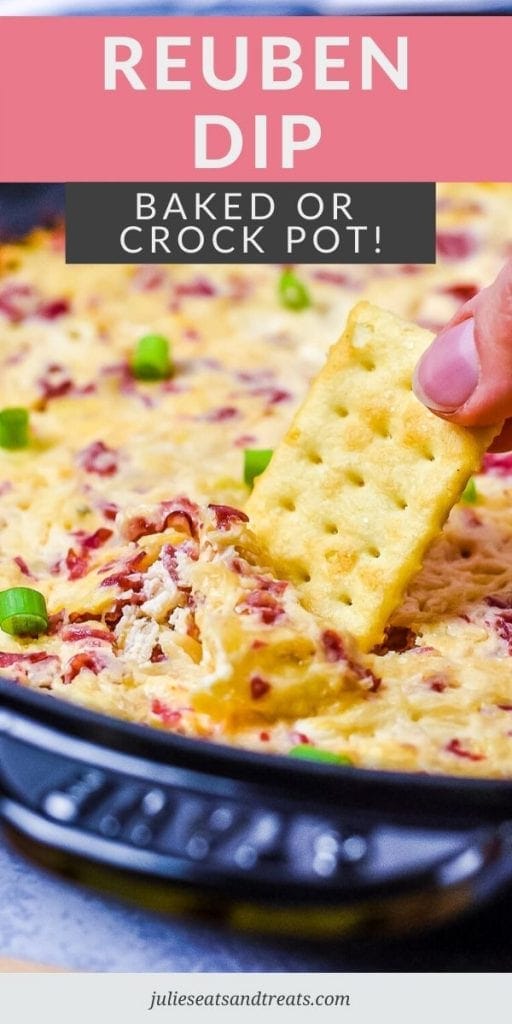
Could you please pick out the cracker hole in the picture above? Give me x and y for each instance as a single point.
(466, 552)
(381, 426)
(373, 552)
(340, 410)
(401, 504)
(331, 528)
(304, 577)
(368, 364)
(345, 599)
(355, 478)
(287, 504)
(315, 458)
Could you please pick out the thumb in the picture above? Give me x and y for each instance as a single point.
(466, 373)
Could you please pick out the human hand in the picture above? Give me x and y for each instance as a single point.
(465, 375)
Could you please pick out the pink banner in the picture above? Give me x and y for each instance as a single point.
(249, 99)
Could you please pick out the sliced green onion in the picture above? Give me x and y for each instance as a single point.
(309, 753)
(255, 461)
(13, 428)
(23, 612)
(470, 494)
(152, 358)
(293, 292)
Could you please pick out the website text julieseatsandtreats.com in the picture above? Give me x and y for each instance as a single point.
(175, 998)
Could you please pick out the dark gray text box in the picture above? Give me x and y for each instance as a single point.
(299, 222)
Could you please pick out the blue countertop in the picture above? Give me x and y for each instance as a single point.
(261, 7)
(47, 919)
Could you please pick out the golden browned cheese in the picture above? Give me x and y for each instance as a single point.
(164, 611)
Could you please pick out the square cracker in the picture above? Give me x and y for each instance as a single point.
(363, 480)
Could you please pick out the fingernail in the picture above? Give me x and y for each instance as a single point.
(447, 373)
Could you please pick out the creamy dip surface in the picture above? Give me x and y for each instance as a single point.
(126, 510)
